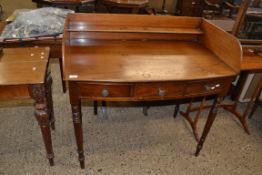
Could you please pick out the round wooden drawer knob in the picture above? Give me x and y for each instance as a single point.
(161, 92)
(105, 93)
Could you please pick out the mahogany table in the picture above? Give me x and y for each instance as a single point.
(146, 58)
(24, 74)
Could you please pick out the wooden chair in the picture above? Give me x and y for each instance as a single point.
(217, 7)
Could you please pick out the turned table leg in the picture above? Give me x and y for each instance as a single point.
(41, 114)
(211, 117)
(77, 121)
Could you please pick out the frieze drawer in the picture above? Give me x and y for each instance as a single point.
(204, 87)
(159, 90)
(104, 90)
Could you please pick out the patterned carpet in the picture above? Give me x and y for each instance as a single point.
(128, 143)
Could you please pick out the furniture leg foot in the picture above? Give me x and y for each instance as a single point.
(244, 124)
(199, 147)
(81, 159)
(51, 162)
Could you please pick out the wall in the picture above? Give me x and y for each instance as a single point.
(10, 5)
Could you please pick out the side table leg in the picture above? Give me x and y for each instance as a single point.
(211, 117)
(75, 102)
(77, 120)
(49, 98)
(38, 94)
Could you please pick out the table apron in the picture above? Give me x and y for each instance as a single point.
(149, 91)
(13, 92)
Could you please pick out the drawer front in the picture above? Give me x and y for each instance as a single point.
(204, 87)
(158, 90)
(104, 90)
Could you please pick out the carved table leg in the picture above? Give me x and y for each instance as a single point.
(50, 108)
(77, 121)
(211, 117)
(38, 94)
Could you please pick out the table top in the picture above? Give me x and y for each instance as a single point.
(251, 61)
(140, 48)
(136, 61)
(23, 66)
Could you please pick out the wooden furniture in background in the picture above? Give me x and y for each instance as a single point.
(63, 3)
(189, 7)
(24, 74)
(145, 58)
(134, 6)
(217, 7)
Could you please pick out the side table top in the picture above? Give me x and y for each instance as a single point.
(23, 65)
(251, 61)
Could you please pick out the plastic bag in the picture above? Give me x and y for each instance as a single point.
(39, 22)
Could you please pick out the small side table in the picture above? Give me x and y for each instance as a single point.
(24, 74)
